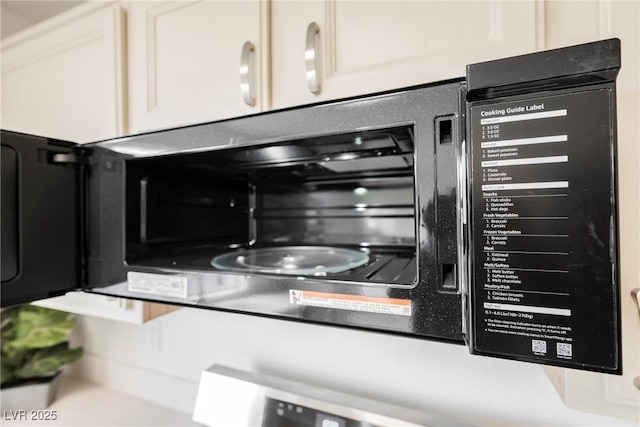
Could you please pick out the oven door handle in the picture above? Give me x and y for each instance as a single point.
(246, 74)
(312, 58)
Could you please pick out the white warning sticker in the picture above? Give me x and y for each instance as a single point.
(400, 307)
(158, 284)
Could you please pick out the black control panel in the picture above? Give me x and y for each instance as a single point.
(278, 413)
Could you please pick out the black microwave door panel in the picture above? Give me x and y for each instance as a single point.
(543, 225)
(40, 218)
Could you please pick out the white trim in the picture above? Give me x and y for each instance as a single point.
(120, 71)
(605, 16)
(540, 22)
(264, 55)
(55, 22)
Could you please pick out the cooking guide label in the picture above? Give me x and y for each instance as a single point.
(542, 285)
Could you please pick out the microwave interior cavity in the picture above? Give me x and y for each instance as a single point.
(297, 207)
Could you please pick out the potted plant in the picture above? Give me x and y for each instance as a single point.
(34, 348)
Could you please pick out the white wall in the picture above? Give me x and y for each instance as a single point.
(161, 361)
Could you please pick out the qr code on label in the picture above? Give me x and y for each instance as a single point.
(538, 346)
(563, 349)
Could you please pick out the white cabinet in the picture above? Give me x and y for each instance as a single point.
(64, 78)
(120, 309)
(184, 61)
(368, 46)
(579, 22)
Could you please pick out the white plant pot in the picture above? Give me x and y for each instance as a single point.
(32, 396)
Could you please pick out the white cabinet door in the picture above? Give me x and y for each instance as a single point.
(184, 61)
(368, 46)
(63, 78)
(580, 22)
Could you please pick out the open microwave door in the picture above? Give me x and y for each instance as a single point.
(541, 197)
(41, 203)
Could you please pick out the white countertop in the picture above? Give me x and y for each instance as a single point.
(80, 403)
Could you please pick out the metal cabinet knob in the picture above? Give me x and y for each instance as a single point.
(312, 58)
(246, 74)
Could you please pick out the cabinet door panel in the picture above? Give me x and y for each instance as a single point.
(63, 78)
(184, 61)
(578, 22)
(373, 46)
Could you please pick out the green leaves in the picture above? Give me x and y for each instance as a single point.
(34, 343)
(38, 327)
(47, 361)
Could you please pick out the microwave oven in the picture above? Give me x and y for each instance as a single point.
(478, 211)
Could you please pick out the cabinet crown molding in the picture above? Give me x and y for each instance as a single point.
(56, 21)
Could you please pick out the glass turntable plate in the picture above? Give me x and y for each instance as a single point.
(300, 260)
